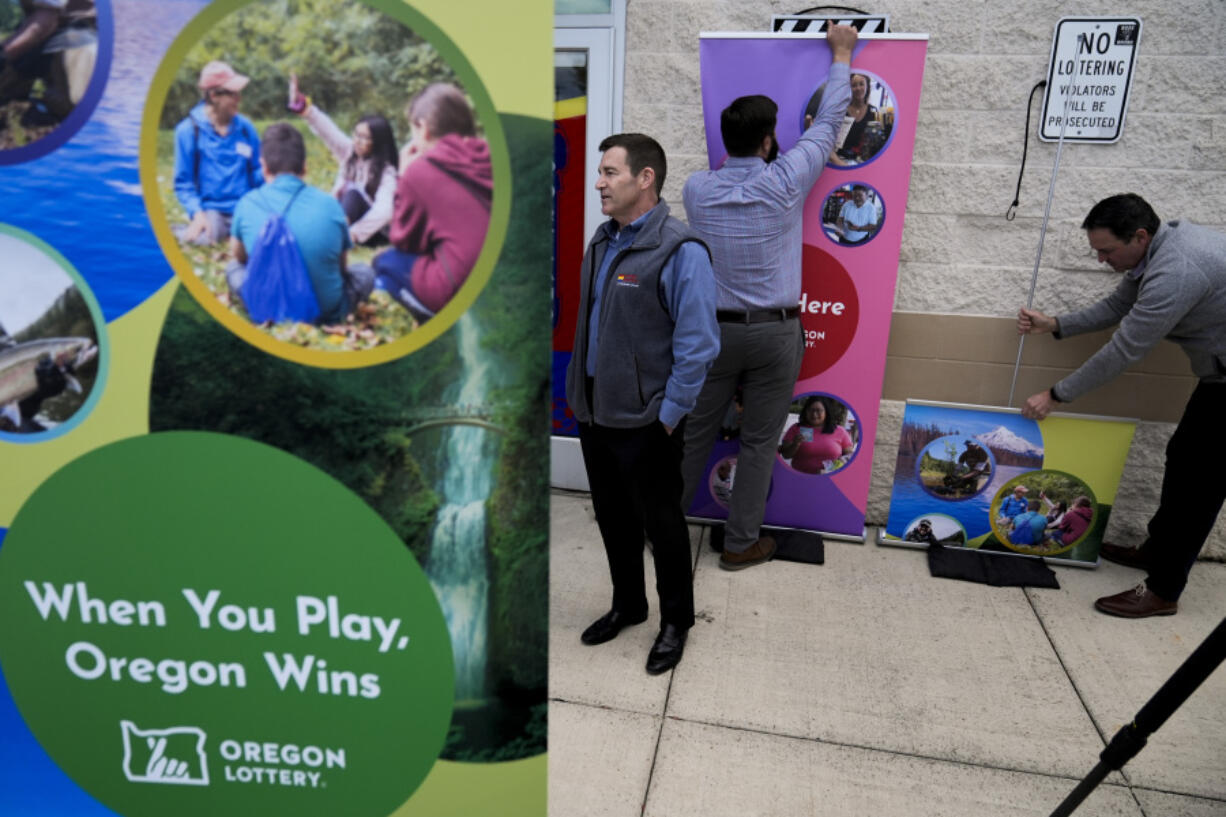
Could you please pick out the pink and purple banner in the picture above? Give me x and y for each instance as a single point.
(853, 222)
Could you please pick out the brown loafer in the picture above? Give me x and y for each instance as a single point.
(1139, 602)
(760, 551)
(1129, 557)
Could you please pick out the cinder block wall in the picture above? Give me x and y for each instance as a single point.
(963, 268)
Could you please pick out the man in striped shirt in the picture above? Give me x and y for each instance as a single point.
(749, 213)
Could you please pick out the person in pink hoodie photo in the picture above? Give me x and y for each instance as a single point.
(442, 203)
(1075, 522)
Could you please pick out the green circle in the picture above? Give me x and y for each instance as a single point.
(500, 205)
(1029, 476)
(139, 523)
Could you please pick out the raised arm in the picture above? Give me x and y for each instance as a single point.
(804, 162)
(340, 145)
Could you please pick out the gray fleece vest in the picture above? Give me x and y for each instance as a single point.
(635, 355)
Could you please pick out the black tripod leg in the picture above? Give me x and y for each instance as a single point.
(1089, 784)
(1131, 739)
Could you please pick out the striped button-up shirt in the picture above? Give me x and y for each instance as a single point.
(749, 211)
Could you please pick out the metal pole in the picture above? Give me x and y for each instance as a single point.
(1051, 192)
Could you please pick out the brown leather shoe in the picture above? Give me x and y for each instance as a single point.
(1139, 602)
(759, 552)
(1129, 557)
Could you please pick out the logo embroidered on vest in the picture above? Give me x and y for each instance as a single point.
(627, 279)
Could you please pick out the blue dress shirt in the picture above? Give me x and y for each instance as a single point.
(749, 211)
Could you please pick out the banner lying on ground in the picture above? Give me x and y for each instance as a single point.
(848, 276)
(275, 568)
(988, 478)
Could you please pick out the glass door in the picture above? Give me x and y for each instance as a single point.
(583, 116)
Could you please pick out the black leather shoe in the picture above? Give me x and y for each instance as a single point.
(666, 652)
(608, 626)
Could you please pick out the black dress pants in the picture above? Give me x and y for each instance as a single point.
(1193, 488)
(635, 477)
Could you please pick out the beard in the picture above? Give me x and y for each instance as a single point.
(773, 153)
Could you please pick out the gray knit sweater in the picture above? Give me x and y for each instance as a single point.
(1178, 293)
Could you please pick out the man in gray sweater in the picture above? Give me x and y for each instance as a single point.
(1174, 287)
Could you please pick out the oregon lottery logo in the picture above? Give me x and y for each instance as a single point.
(174, 755)
(177, 755)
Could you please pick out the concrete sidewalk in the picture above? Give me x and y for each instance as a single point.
(866, 687)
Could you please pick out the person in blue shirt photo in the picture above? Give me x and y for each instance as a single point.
(1028, 527)
(1012, 505)
(217, 156)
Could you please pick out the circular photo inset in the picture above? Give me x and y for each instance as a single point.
(853, 214)
(721, 479)
(955, 467)
(935, 529)
(1043, 512)
(49, 341)
(821, 435)
(334, 213)
(868, 122)
(55, 60)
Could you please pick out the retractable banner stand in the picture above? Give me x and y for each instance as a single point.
(848, 275)
(258, 567)
(988, 478)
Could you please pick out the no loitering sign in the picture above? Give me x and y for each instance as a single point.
(1089, 78)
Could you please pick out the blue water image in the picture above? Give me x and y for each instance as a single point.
(910, 500)
(84, 198)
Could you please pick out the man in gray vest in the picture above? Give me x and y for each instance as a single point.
(1174, 287)
(644, 339)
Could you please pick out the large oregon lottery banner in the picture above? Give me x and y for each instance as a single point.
(273, 370)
